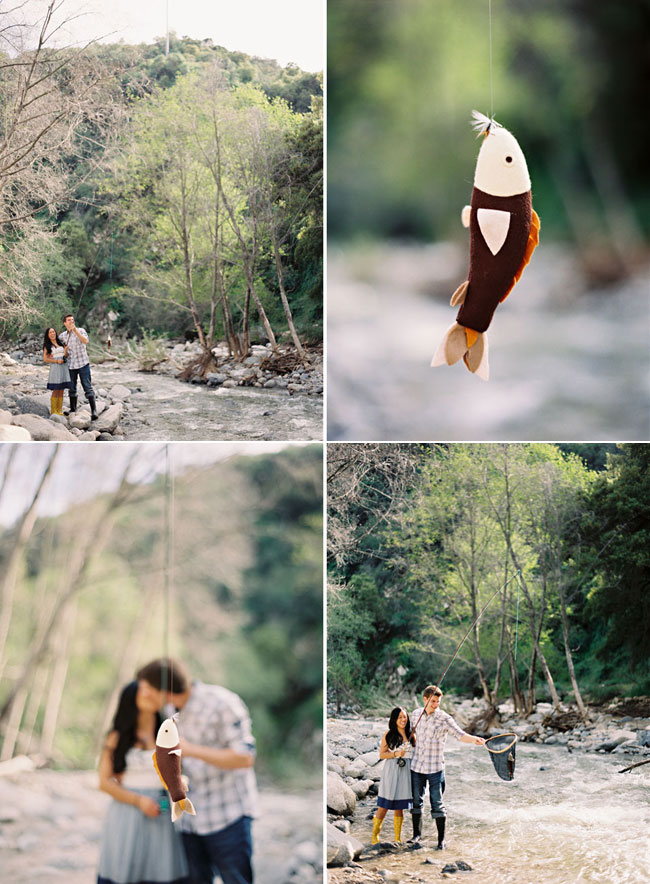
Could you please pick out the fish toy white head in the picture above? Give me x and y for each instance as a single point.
(167, 736)
(501, 168)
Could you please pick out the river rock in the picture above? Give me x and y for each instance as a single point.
(643, 737)
(31, 405)
(357, 769)
(9, 433)
(108, 421)
(361, 787)
(215, 378)
(119, 393)
(89, 436)
(342, 825)
(370, 758)
(342, 848)
(270, 383)
(79, 420)
(42, 430)
(340, 797)
(5, 417)
(59, 419)
(104, 437)
(614, 739)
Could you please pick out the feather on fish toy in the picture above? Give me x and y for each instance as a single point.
(167, 761)
(504, 232)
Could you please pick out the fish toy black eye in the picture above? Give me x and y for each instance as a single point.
(508, 159)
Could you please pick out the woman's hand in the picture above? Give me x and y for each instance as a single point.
(399, 753)
(148, 806)
(60, 361)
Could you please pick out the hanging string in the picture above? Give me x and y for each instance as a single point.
(167, 569)
(491, 86)
(517, 618)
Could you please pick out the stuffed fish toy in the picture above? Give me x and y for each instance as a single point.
(504, 231)
(167, 761)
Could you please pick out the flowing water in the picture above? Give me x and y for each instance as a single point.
(566, 817)
(170, 409)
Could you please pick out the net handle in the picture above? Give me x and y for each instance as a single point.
(500, 751)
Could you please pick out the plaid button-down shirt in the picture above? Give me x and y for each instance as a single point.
(430, 739)
(77, 354)
(214, 716)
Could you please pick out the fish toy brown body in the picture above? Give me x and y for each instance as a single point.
(167, 761)
(504, 231)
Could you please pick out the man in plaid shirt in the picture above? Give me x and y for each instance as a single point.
(78, 363)
(432, 726)
(218, 753)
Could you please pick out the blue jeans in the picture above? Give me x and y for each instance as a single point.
(227, 853)
(83, 374)
(436, 783)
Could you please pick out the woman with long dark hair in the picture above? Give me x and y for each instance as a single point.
(395, 787)
(139, 843)
(54, 354)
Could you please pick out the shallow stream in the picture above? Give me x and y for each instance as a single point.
(170, 409)
(566, 817)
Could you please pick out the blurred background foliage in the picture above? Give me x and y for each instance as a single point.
(245, 559)
(570, 81)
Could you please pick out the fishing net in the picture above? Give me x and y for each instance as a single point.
(502, 752)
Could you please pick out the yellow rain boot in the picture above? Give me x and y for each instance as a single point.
(397, 823)
(376, 826)
(53, 404)
(59, 404)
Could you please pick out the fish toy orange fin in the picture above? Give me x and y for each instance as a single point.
(155, 764)
(531, 245)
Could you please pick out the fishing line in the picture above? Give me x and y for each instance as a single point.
(462, 641)
(168, 538)
(490, 40)
(517, 617)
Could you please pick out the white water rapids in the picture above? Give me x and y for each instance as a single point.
(565, 818)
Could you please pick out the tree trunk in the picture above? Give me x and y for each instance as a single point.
(285, 300)
(569, 655)
(23, 532)
(61, 657)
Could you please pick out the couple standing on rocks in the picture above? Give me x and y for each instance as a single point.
(410, 764)
(68, 360)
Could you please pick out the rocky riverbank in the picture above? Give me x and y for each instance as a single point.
(51, 826)
(265, 397)
(620, 728)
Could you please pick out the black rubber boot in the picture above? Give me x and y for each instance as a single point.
(93, 406)
(417, 828)
(73, 404)
(440, 825)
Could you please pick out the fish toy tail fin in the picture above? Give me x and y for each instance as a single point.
(181, 807)
(460, 342)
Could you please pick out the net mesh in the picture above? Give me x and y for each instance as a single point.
(502, 749)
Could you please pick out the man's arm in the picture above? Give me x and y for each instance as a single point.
(82, 338)
(227, 759)
(469, 738)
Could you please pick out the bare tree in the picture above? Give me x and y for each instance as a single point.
(49, 94)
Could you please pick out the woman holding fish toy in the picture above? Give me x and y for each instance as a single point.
(139, 841)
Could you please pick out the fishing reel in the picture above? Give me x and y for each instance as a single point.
(401, 762)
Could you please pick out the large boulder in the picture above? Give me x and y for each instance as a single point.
(340, 797)
(80, 420)
(119, 393)
(341, 847)
(108, 421)
(6, 417)
(33, 405)
(41, 429)
(9, 433)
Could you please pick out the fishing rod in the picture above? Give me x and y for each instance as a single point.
(462, 641)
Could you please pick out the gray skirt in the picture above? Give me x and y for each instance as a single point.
(395, 787)
(59, 378)
(137, 848)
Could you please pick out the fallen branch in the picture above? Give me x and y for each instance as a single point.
(632, 766)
